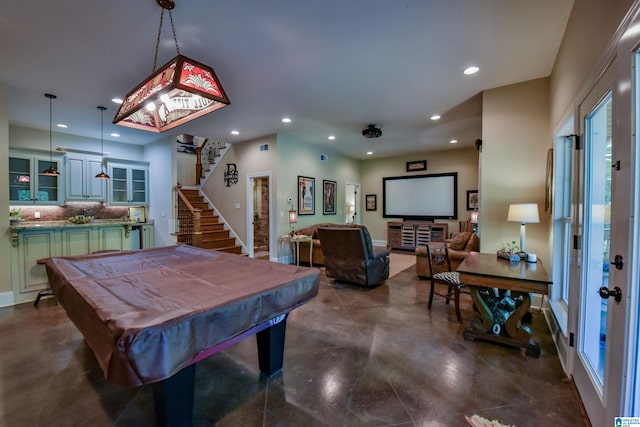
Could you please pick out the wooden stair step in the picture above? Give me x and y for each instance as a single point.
(231, 250)
(218, 243)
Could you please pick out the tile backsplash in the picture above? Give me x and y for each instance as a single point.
(59, 213)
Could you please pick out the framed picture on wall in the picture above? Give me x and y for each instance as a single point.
(370, 201)
(472, 200)
(328, 197)
(306, 195)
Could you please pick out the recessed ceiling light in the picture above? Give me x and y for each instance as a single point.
(471, 70)
(369, 153)
(235, 132)
(435, 117)
(117, 100)
(62, 125)
(115, 135)
(286, 120)
(331, 137)
(453, 141)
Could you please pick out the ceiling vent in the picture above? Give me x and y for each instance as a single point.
(371, 131)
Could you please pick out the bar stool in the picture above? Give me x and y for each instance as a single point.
(45, 292)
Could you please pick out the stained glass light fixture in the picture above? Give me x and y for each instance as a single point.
(102, 174)
(181, 90)
(51, 170)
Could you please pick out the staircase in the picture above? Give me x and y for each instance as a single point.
(199, 226)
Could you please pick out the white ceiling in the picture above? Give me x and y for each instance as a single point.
(333, 66)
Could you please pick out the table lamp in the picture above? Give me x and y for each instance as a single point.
(474, 221)
(293, 218)
(523, 213)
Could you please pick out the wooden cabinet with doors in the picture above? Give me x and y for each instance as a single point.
(129, 184)
(81, 183)
(27, 184)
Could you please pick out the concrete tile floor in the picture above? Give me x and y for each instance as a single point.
(353, 357)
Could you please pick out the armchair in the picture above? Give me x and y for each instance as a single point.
(349, 256)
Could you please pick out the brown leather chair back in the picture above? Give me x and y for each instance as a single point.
(350, 256)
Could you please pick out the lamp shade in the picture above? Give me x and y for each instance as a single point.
(293, 217)
(524, 213)
(474, 217)
(180, 91)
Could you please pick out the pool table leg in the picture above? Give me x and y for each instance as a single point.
(271, 348)
(173, 398)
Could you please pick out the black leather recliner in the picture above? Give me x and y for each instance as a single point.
(350, 257)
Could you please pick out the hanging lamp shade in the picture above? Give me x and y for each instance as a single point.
(102, 174)
(51, 170)
(181, 90)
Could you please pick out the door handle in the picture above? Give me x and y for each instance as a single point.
(617, 261)
(606, 293)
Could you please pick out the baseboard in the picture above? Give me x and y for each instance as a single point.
(6, 299)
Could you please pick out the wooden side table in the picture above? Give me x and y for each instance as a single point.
(295, 241)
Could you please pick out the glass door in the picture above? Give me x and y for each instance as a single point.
(599, 352)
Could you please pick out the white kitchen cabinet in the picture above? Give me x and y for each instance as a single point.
(129, 185)
(27, 184)
(82, 184)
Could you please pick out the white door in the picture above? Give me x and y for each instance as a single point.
(601, 236)
(352, 203)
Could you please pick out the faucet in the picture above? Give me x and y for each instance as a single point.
(85, 212)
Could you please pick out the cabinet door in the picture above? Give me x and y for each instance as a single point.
(148, 239)
(20, 188)
(47, 187)
(119, 184)
(138, 186)
(79, 241)
(95, 187)
(32, 247)
(76, 178)
(114, 239)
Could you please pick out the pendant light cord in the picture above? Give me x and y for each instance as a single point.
(175, 39)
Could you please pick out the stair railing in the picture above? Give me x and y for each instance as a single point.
(189, 220)
(206, 156)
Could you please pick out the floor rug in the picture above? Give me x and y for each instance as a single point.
(400, 262)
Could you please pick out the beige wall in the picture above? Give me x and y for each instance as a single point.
(5, 246)
(515, 140)
(591, 25)
(464, 161)
(249, 160)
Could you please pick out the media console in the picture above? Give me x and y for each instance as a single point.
(410, 234)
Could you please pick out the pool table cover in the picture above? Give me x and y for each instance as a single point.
(147, 313)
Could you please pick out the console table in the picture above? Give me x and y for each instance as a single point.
(480, 271)
(409, 235)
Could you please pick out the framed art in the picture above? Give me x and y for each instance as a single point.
(370, 202)
(418, 165)
(548, 190)
(472, 200)
(137, 214)
(328, 197)
(306, 195)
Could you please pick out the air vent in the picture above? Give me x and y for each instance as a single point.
(264, 147)
(324, 158)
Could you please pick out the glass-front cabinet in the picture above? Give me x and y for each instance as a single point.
(27, 184)
(129, 184)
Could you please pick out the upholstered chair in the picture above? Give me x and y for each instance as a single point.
(349, 256)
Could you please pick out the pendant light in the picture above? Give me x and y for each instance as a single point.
(51, 170)
(103, 174)
(181, 90)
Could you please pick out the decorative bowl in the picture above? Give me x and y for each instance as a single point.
(80, 219)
